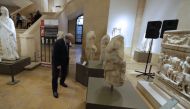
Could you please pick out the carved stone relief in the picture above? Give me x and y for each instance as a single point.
(175, 61)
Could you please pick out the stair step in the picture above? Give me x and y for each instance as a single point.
(32, 65)
(20, 31)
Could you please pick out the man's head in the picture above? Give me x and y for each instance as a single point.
(69, 37)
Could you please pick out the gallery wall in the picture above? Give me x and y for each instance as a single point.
(95, 19)
(122, 14)
(72, 27)
(163, 10)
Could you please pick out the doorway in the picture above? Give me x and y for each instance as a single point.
(79, 30)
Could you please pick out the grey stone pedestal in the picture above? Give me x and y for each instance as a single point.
(99, 96)
(93, 69)
(13, 67)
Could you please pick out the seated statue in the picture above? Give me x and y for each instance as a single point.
(7, 36)
(104, 42)
(90, 45)
(114, 65)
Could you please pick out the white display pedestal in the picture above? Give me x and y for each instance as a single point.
(156, 96)
(140, 56)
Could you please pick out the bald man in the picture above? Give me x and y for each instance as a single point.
(60, 60)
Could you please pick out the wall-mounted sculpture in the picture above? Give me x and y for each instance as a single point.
(7, 36)
(114, 65)
(104, 42)
(90, 45)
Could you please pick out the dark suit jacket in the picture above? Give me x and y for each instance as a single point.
(60, 54)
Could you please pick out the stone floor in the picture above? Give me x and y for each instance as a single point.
(34, 89)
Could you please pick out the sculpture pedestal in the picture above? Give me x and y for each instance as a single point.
(93, 69)
(100, 96)
(156, 96)
(140, 56)
(14, 67)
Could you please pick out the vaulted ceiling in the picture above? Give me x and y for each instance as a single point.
(7, 2)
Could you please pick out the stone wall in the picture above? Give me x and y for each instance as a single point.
(95, 19)
(72, 27)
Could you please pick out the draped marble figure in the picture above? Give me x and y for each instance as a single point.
(104, 42)
(90, 45)
(114, 65)
(7, 36)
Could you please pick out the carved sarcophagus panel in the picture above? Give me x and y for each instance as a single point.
(176, 43)
(175, 63)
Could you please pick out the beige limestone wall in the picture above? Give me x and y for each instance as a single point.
(72, 27)
(96, 19)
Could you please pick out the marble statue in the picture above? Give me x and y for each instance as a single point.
(7, 36)
(104, 42)
(185, 83)
(90, 45)
(186, 65)
(114, 64)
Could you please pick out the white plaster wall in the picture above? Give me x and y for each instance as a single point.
(184, 15)
(163, 10)
(122, 14)
(45, 5)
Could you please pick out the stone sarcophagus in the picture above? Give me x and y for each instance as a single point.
(175, 66)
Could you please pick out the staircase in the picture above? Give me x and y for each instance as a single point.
(18, 32)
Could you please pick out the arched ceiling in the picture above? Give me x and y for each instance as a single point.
(7, 2)
(74, 9)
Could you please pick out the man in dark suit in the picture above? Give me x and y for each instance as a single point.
(60, 61)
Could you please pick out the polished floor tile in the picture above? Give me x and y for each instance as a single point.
(34, 89)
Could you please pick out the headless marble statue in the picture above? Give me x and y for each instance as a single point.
(7, 36)
(90, 45)
(114, 65)
(104, 42)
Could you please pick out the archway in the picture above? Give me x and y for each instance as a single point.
(79, 30)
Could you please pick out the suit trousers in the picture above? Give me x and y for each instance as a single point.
(55, 75)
